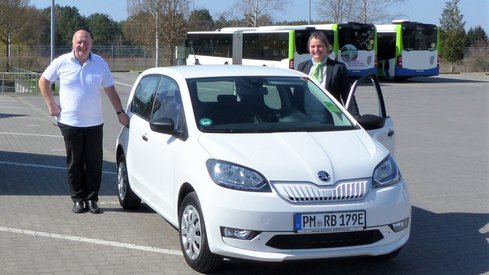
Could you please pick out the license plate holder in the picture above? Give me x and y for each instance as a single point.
(330, 221)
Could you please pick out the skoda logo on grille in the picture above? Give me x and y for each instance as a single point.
(324, 176)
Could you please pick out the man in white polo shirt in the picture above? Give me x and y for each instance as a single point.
(82, 76)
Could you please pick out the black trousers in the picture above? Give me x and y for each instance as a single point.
(84, 156)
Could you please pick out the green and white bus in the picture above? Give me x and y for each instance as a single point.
(354, 44)
(408, 49)
(284, 46)
(274, 46)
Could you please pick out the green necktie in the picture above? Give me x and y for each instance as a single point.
(317, 72)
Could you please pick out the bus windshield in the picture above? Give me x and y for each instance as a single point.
(361, 36)
(419, 37)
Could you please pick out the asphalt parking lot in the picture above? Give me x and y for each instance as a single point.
(442, 146)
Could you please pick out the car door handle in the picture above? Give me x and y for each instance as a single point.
(145, 137)
(390, 133)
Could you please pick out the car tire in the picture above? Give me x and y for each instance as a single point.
(193, 237)
(127, 198)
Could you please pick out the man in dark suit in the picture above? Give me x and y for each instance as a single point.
(332, 74)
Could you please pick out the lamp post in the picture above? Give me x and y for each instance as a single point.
(309, 12)
(53, 32)
(52, 29)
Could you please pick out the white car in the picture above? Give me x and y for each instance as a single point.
(260, 163)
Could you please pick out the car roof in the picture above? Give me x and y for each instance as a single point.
(198, 71)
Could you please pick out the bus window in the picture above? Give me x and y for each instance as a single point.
(266, 46)
(211, 44)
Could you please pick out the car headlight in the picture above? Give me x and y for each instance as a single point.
(234, 176)
(386, 173)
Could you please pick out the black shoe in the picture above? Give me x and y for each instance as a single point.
(79, 207)
(93, 207)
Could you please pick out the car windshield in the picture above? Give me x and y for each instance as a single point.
(244, 104)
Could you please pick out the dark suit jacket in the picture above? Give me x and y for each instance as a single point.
(337, 82)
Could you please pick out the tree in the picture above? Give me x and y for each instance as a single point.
(14, 22)
(32, 33)
(102, 29)
(475, 37)
(165, 20)
(68, 21)
(363, 11)
(136, 30)
(452, 34)
(335, 10)
(226, 19)
(200, 20)
(258, 12)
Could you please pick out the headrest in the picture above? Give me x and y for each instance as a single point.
(227, 98)
(253, 91)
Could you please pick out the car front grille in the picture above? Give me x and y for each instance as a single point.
(325, 240)
(311, 193)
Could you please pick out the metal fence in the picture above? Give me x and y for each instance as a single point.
(20, 71)
(19, 81)
(119, 58)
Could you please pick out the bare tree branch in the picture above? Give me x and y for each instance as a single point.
(336, 11)
(363, 11)
(256, 10)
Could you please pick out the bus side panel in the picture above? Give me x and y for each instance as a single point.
(358, 63)
(419, 60)
(206, 60)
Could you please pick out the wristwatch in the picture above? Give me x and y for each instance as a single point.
(120, 112)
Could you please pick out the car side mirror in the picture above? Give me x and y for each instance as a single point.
(166, 125)
(371, 122)
(163, 125)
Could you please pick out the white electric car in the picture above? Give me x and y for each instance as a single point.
(261, 163)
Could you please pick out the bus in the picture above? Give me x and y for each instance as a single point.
(274, 46)
(408, 49)
(354, 44)
(284, 46)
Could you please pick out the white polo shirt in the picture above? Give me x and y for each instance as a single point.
(80, 88)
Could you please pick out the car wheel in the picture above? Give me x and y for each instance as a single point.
(127, 198)
(193, 237)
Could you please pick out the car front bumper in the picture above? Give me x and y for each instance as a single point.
(273, 219)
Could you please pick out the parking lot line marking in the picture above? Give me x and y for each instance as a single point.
(47, 166)
(12, 107)
(123, 84)
(24, 134)
(91, 241)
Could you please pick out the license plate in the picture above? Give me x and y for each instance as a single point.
(330, 222)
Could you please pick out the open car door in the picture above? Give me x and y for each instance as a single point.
(373, 115)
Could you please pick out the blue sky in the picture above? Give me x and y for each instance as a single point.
(475, 12)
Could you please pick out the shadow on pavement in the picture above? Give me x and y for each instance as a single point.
(44, 175)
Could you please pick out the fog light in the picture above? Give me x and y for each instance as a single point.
(398, 226)
(241, 234)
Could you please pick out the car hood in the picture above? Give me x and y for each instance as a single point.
(299, 156)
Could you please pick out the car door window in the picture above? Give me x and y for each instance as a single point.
(144, 95)
(369, 97)
(168, 103)
(373, 115)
